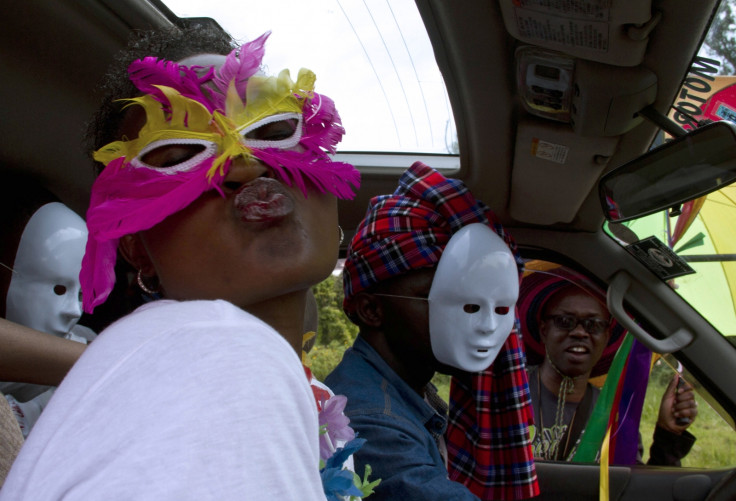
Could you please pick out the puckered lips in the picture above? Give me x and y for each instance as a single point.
(263, 200)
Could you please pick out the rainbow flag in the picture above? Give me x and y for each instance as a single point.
(619, 406)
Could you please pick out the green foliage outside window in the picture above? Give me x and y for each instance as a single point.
(335, 331)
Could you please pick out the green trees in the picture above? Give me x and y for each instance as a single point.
(333, 324)
(335, 332)
(721, 39)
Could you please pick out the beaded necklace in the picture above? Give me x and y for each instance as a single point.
(558, 429)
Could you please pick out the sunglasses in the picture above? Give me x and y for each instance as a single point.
(592, 325)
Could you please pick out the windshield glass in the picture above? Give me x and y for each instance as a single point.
(704, 234)
(374, 59)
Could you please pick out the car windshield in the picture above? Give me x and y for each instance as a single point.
(702, 234)
(374, 59)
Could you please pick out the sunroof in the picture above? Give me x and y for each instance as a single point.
(374, 59)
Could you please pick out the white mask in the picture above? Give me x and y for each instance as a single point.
(472, 299)
(44, 291)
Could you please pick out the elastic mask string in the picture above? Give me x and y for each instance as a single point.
(7, 267)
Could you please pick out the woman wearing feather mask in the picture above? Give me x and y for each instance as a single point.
(218, 189)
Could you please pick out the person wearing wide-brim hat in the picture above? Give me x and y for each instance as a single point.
(571, 337)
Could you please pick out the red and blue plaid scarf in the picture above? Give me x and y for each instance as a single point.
(489, 450)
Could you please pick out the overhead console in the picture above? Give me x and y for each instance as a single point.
(606, 31)
(579, 77)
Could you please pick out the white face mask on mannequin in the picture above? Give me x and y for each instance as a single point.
(472, 299)
(44, 291)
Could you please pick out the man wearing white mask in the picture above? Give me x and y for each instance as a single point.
(431, 279)
(42, 253)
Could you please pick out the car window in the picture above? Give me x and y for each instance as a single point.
(708, 442)
(715, 444)
(700, 232)
(692, 247)
(374, 59)
(703, 253)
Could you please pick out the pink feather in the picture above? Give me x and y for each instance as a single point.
(323, 127)
(327, 176)
(240, 65)
(98, 270)
(149, 72)
(127, 200)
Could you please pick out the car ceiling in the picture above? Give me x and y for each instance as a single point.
(61, 49)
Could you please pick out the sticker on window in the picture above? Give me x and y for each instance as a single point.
(659, 258)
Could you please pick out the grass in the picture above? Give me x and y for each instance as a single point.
(715, 444)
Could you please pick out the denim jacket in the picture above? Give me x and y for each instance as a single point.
(402, 430)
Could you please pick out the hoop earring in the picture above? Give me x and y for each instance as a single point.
(342, 234)
(139, 279)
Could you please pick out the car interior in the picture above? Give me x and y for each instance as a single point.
(555, 106)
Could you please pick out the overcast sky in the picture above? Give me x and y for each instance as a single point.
(371, 57)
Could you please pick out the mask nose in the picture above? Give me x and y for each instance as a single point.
(69, 314)
(488, 321)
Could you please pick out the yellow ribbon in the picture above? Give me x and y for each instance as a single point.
(305, 338)
(603, 492)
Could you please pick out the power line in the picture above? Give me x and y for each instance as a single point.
(396, 71)
(380, 84)
(416, 74)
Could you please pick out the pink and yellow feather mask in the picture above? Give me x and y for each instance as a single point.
(217, 115)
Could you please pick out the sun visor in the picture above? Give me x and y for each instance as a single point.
(607, 31)
(556, 169)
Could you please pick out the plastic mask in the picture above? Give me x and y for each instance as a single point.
(44, 291)
(472, 299)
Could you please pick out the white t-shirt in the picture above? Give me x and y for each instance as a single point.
(179, 400)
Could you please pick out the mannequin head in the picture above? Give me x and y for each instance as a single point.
(472, 299)
(44, 291)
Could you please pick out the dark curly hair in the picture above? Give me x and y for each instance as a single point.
(173, 44)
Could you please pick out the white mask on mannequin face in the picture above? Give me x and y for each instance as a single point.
(472, 299)
(44, 291)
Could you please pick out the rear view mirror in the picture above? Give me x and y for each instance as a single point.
(688, 167)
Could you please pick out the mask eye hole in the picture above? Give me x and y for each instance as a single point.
(502, 310)
(274, 131)
(471, 308)
(283, 130)
(170, 155)
(173, 155)
(59, 290)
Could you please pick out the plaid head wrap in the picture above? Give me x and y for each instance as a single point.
(488, 434)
